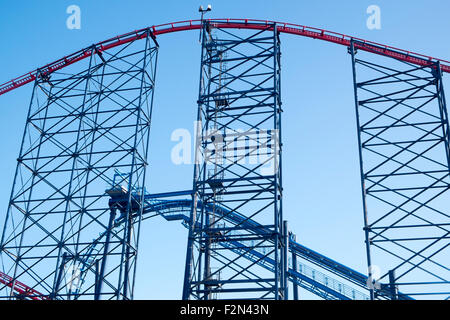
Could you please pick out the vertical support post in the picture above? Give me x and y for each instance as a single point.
(97, 280)
(443, 110)
(294, 283)
(392, 286)
(101, 275)
(59, 277)
(188, 272)
(285, 260)
(361, 170)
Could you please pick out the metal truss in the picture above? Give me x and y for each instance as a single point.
(84, 126)
(403, 133)
(238, 168)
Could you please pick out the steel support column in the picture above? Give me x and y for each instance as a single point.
(403, 133)
(238, 168)
(294, 269)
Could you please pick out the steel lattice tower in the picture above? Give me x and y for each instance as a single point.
(403, 133)
(238, 169)
(87, 131)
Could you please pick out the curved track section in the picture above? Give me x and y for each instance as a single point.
(252, 24)
(313, 281)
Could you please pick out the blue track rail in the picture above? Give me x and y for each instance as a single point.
(305, 276)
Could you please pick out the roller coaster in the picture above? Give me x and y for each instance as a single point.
(78, 202)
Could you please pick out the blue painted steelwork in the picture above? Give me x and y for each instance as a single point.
(82, 125)
(237, 166)
(299, 274)
(403, 133)
(77, 135)
(178, 210)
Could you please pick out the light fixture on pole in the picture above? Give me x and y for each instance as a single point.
(203, 11)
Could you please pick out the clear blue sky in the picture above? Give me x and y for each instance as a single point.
(321, 173)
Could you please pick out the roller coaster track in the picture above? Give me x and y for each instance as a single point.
(22, 290)
(252, 24)
(312, 280)
(303, 275)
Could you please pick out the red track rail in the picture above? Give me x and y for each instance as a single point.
(315, 33)
(21, 288)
